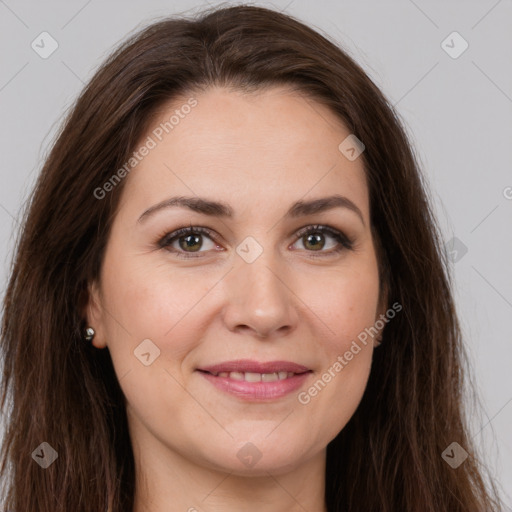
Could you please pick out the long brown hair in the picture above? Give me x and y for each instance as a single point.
(58, 389)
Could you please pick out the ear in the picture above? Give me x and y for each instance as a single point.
(94, 315)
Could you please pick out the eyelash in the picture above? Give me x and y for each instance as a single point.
(343, 241)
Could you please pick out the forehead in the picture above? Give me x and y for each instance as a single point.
(273, 146)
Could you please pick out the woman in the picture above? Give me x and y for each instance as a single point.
(228, 226)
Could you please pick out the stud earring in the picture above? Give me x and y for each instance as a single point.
(89, 334)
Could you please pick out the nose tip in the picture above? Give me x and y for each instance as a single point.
(264, 304)
(263, 332)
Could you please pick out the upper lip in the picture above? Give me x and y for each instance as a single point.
(247, 365)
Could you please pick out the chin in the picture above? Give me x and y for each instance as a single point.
(273, 465)
(257, 458)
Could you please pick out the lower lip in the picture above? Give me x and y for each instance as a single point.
(260, 391)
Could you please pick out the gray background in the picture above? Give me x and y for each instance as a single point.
(457, 112)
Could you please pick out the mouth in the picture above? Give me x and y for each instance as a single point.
(255, 381)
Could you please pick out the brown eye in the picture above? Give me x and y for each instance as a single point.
(314, 240)
(192, 242)
(186, 241)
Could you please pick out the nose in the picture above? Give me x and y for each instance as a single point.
(260, 298)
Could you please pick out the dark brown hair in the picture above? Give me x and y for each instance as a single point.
(63, 391)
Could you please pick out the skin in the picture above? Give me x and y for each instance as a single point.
(259, 153)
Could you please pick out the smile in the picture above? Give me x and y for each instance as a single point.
(256, 387)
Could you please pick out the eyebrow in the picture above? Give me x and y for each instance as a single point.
(220, 209)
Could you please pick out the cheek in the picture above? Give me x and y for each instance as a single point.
(154, 302)
(346, 303)
(157, 304)
(147, 297)
(348, 307)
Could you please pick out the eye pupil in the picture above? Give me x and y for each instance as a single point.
(190, 241)
(316, 237)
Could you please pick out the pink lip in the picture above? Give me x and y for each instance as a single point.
(247, 365)
(256, 391)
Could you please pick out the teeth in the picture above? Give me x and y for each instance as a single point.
(256, 377)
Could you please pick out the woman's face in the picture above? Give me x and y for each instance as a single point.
(255, 289)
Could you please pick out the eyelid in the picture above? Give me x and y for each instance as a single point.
(322, 228)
